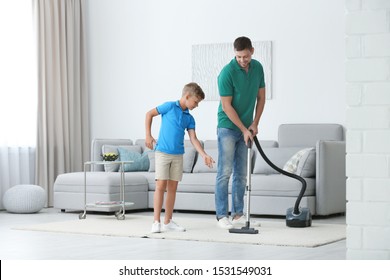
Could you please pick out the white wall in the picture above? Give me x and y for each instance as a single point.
(140, 56)
(368, 129)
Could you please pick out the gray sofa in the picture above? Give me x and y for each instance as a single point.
(322, 164)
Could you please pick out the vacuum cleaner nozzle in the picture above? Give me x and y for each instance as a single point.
(301, 219)
(245, 230)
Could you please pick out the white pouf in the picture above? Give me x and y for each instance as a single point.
(24, 199)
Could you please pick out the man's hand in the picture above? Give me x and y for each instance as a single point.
(254, 129)
(248, 136)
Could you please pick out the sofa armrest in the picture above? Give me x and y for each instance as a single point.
(330, 177)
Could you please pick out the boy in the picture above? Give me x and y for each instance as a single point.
(170, 149)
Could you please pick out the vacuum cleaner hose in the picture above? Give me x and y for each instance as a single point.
(299, 178)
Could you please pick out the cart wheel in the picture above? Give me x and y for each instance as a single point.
(121, 217)
(82, 216)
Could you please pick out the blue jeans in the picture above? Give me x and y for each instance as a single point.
(232, 158)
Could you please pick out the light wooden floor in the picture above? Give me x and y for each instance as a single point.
(29, 245)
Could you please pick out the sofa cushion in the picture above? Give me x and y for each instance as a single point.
(279, 156)
(279, 185)
(152, 162)
(99, 182)
(191, 183)
(189, 158)
(140, 161)
(210, 144)
(200, 167)
(114, 149)
(307, 135)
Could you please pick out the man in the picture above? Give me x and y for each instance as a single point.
(242, 89)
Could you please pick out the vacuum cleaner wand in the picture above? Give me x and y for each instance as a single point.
(295, 217)
(247, 229)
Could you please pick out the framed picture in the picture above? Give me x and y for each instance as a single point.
(209, 59)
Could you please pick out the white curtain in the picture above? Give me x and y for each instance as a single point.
(17, 166)
(63, 116)
(18, 95)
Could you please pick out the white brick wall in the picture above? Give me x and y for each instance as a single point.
(377, 141)
(368, 117)
(367, 69)
(377, 190)
(363, 21)
(376, 94)
(376, 45)
(368, 128)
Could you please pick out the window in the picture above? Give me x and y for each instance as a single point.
(18, 95)
(18, 75)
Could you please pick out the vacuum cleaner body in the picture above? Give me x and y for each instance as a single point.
(301, 219)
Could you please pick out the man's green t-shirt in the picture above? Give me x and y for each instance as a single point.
(243, 87)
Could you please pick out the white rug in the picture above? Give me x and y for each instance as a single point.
(198, 229)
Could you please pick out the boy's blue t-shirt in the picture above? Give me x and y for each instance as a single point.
(173, 125)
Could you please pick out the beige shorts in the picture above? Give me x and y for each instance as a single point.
(168, 167)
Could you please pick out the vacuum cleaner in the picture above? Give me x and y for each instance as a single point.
(295, 216)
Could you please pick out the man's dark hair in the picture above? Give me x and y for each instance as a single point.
(242, 43)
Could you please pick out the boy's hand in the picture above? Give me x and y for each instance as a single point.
(149, 142)
(208, 160)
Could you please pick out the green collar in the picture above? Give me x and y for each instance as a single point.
(237, 66)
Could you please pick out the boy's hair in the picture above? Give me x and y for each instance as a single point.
(242, 43)
(194, 90)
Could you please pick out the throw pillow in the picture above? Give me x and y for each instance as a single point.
(292, 164)
(140, 162)
(307, 164)
(114, 149)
